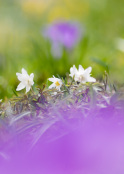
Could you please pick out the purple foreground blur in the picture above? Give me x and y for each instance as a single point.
(69, 141)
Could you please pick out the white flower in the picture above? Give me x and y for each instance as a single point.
(57, 83)
(73, 71)
(81, 75)
(119, 43)
(26, 81)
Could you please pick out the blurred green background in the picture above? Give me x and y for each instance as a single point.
(22, 45)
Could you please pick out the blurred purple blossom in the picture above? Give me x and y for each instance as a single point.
(63, 34)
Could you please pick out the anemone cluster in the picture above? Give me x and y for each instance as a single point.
(77, 128)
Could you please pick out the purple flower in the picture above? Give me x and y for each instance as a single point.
(62, 34)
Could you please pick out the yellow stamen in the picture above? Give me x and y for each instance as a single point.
(57, 83)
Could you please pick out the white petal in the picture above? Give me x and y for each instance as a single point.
(28, 88)
(81, 69)
(73, 71)
(32, 76)
(52, 86)
(24, 71)
(88, 70)
(20, 87)
(54, 79)
(57, 79)
(91, 79)
(76, 78)
(32, 83)
(19, 76)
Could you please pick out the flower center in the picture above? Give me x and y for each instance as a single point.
(28, 82)
(82, 78)
(57, 83)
